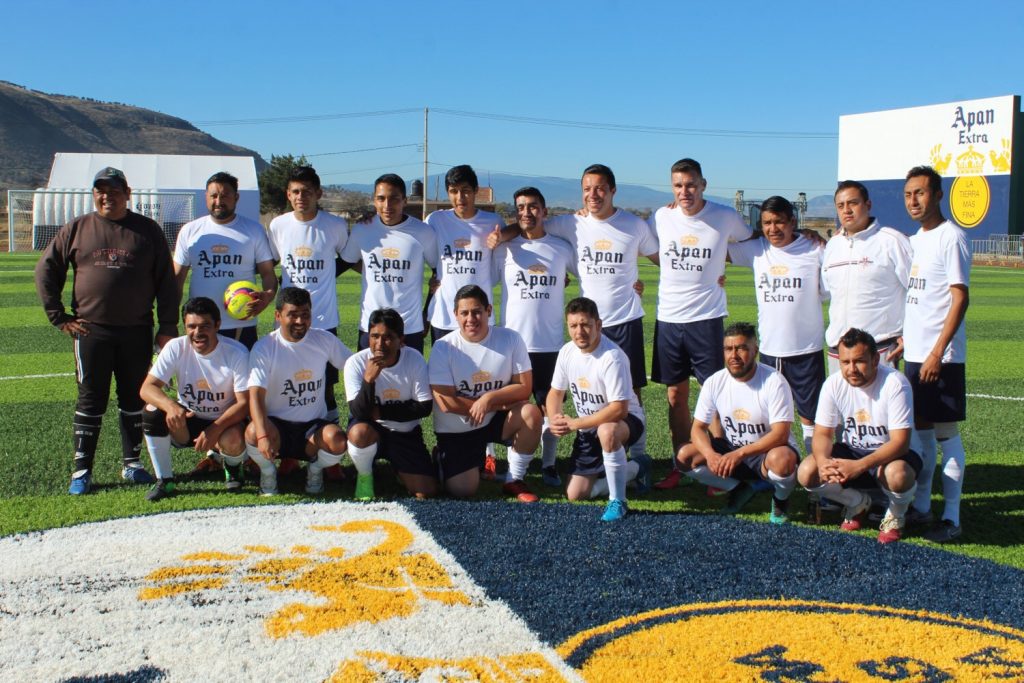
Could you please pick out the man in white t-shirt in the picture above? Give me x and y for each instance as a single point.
(481, 380)
(935, 343)
(787, 282)
(871, 403)
(388, 390)
(693, 238)
(609, 416)
(392, 250)
(755, 407)
(211, 376)
(864, 269)
(306, 242)
(222, 248)
(532, 271)
(286, 394)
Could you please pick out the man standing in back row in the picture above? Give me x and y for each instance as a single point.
(121, 263)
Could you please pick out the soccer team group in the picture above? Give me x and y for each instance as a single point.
(867, 428)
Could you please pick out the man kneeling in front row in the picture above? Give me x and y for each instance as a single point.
(873, 404)
(610, 417)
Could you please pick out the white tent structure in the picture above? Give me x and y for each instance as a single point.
(161, 173)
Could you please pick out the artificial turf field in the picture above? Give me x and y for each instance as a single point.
(37, 397)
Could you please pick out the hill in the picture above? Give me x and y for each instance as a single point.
(35, 125)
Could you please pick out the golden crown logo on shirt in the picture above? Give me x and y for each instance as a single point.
(862, 416)
(481, 376)
(390, 394)
(537, 268)
(741, 414)
(303, 375)
(603, 245)
(689, 240)
(461, 243)
(202, 384)
(778, 270)
(303, 251)
(220, 249)
(914, 270)
(583, 383)
(390, 252)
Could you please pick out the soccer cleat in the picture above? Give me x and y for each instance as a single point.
(889, 531)
(314, 480)
(943, 532)
(364, 487)
(614, 511)
(549, 475)
(234, 475)
(81, 483)
(738, 498)
(913, 517)
(852, 513)
(287, 466)
(268, 482)
(163, 488)
(714, 492)
(671, 480)
(135, 473)
(517, 488)
(490, 469)
(334, 473)
(643, 474)
(780, 511)
(205, 468)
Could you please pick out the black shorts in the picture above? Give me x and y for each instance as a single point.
(587, 459)
(805, 374)
(629, 336)
(244, 335)
(684, 350)
(413, 341)
(459, 452)
(295, 436)
(751, 468)
(330, 379)
(869, 480)
(436, 333)
(941, 401)
(543, 363)
(404, 450)
(195, 426)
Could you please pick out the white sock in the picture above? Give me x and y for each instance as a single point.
(899, 502)
(325, 459)
(517, 464)
(599, 489)
(159, 448)
(490, 450)
(254, 454)
(783, 485)
(833, 491)
(954, 459)
(233, 459)
(640, 447)
(363, 457)
(632, 469)
(808, 433)
(615, 473)
(922, 441)
(548, 445)
(705, 476)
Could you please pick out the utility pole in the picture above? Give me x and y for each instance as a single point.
(426, 112)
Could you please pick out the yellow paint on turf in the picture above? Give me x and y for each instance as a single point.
(380, 666)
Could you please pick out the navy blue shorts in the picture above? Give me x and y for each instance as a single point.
(941, 401)
(436, 333)
(413, 341)
(404, 450)
(629, 336)
(295, 436)
(587, 459)
(543, 363)
(243, 335)
(195, 427)
(459, 452)
(751, 468)
(869, 480)
(684, 350)
(805, 374)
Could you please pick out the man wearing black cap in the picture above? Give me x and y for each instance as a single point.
(121, 263)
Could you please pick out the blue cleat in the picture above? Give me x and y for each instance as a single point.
(614, 511)
(549, 475)
(738, 498)
(780, 511)
(81, 483)
(135, 473)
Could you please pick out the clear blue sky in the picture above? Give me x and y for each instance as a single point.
(791, 67)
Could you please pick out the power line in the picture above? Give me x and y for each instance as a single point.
(305, 118)
(365, 149)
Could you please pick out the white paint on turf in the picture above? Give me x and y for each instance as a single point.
(298, 593)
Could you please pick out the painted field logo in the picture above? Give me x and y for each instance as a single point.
(380, 666)
(780, 640)
(969, 200)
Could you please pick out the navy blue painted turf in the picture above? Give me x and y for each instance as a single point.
(563, 571)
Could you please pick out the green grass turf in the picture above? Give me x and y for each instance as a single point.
(35, 429)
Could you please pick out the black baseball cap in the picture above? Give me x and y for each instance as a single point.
(110, 175)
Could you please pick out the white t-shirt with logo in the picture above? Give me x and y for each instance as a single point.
(595, 379)
(306, 250)
(474, 368)
(293, 373)
(942, 258)
(532, 277)
(747, 409)
(406, 380)
(787, 281)
(219, 255)
(462, 259)
(606, 258)
(393, 258)
(867, 414)
(692, 251)
(207, 384)
(866, 275)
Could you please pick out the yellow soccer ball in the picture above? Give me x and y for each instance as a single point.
(237, 296)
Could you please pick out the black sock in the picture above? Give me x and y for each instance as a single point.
(131, 436)
(86, 430)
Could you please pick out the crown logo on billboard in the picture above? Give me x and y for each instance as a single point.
(970, 162)
(390, 252)
(303, 252)
(303, 375)
(779, 270)
(604, 245)
(689, 240)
